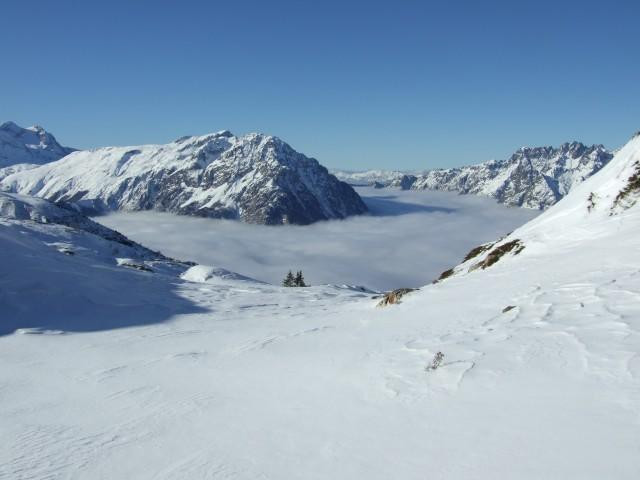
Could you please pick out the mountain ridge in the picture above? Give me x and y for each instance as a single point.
(32, 145)
(532, 177)
(255, 178)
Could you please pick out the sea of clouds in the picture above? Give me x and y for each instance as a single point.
(407, 240)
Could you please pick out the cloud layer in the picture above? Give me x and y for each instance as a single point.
(409, 238)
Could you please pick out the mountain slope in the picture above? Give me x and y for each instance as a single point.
(540, 334)
(531, 177)
(539, 374)
(33, 145)
(65, 272)
(599, 206)
(256, 178)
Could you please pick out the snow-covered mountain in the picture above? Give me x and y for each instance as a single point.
(596, 208)
(532, 177)
(382, 178)
(32, 146)
(255, 178)
(522, 363)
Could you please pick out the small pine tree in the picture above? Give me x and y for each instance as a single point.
(299, 281)
(289, 280)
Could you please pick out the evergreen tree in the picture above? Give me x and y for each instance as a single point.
(289, 280)
(299, 281)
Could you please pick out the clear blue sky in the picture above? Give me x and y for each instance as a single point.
(403, 84)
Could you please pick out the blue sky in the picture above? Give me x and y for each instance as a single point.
(403, 84)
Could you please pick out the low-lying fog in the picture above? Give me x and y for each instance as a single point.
(409, 238)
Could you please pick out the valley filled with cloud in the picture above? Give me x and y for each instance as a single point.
(407, 240)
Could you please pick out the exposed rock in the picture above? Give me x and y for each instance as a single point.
(254, 178)
(474, 252)
(514, 246)
(445, 274)
(393, 297)
(405, 182)
(531, 177)
(629, 194)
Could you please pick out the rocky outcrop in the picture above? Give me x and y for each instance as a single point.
(393, 297)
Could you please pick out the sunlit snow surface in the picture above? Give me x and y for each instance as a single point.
(407, 241)
(265, 382)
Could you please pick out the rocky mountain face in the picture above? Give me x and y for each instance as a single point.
(532, 177)
(598, 207)
(33, 146)
(255, 178)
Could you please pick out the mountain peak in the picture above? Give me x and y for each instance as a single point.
(32, 145)
(256, 178)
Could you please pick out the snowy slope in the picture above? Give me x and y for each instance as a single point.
(33, 146)
(540, 376)
(256, 178)
(63, 271)
(600, 206)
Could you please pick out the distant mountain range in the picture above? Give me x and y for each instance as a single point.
(260, 179)
(532, 177)
(255, 178)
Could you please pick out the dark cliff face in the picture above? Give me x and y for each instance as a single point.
(255, 178)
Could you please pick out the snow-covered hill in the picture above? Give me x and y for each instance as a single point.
(256, 178)
(32, 146)
(62, 271)
(538, 377)
(532, 177)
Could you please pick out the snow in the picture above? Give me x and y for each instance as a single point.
(238, 379)
(533, 177)
(256, 178)
(28, 146)
(368, 177)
